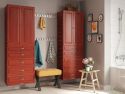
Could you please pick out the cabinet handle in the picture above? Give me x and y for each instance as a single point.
(22, 70)
(22, 62)
(22, 54)
(22, 78)
(22, 48)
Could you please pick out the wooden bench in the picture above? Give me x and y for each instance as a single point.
(48, 72)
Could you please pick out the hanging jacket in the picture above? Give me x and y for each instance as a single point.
(38, 57)
(51, 54)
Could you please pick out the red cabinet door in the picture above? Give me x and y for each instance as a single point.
(13, 24)
(27, 27)
(69, 28)
(20, 45)
(78, 28)
(70, 43)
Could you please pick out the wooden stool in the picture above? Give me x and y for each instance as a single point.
(84, 77)
(48, 72)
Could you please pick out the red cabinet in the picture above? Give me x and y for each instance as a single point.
(19, 44)
(70, 43)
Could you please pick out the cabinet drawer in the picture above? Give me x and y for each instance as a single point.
(72, 64)
(20, 52)
(69, 48)
(19, 62)
(24, 54)
(70, 75)
(20, 70)
(13, 49)
(71, 72)
(20, 48)
(12, 80)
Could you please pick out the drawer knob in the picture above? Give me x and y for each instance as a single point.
(22, 54)
(22, 48)
(22, 70)
(22, 62)
(22, 78)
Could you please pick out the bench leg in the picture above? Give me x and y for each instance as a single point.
(38, 84)
(57, 81)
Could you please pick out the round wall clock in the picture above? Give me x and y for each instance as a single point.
(100, 18)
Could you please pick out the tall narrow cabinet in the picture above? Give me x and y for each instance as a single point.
(19, 45)
(70, 43)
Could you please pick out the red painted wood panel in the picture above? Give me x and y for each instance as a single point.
(19, 45)
(78, 28)
(20, 61)
(13, 32)
(27, 29)
(18, 79)
(70, 43)
(20, 70)
(68, 28)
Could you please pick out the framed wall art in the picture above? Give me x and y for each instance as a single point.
(89, 37)
(90, 17)
(99, 38)
(100, 17)
(94, 27)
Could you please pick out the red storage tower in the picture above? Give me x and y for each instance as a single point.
(19, 44)
(70, 35)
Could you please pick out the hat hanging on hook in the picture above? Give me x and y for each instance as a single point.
(42, 23)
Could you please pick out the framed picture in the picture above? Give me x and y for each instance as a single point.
(100, 17)
(94, 27)
(99, 38)
(90, 17)
(89, 37)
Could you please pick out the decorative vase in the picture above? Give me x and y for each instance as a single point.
(87, 68)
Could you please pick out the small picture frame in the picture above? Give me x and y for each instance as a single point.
(89, 37)
(99, 38)
(90, 17)
(100, 17)
(94, 27)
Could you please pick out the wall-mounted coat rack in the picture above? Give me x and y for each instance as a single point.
(46, 39)
(46, 15)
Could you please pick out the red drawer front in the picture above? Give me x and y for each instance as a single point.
(18, 49)
(20, 52)
(20, 70)
(24, 54)
(71, 71)
(73, 65)
(13, 80)
(18, 62)
(71, 75)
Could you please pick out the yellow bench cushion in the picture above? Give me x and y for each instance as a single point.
(48, 72)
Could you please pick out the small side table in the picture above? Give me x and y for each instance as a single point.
(94, 79)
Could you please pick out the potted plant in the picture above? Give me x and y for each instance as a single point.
(88, 62)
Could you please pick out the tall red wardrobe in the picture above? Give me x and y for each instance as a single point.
(70, 50)
(19, 45)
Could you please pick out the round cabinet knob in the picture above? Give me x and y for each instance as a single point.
(22, 78)
(22, 62)
(22, 48)
(22, 70)
(22, 54)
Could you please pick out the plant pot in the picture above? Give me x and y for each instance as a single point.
(87, 68)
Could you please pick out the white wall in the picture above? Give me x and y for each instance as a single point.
(41, 6)
(120, 48)
(94, 49)
(107, 43)
(119, 71)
